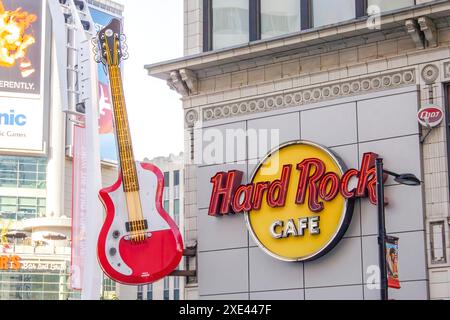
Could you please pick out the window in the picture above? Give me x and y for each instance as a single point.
(32, 285)
(109, 287)
(176, 184)
(23, 172)
(140, 295)
(327, 12)
(14, 208)
(150, 292)
(230, 23)
(166, 206)
(166, 179)
(388, 5)
(166, 193)
(176, 288)
(176, 211)
(176, 178)
(166, 289)
(279, 17)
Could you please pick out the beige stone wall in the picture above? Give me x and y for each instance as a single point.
(193, 27)
(435, 165)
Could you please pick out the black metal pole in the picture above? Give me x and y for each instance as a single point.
(381, 230)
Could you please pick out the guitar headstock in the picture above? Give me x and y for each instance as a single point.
(109, 45)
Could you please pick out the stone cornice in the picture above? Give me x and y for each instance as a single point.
(311, 95)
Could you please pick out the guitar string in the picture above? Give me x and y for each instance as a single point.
(130, 164)
(119, 123)
(131, 170)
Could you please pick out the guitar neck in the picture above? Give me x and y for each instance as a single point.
(126, 157)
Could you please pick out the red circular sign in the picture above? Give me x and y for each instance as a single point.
(430, 116)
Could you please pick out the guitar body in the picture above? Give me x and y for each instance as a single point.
(143, 262)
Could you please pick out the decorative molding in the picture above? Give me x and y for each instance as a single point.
(447, 70)
(177, 84)
(429, 29)
(190, 79)
(191, 118)
(183, 81)
(311, 95)
(412, 27)
(430, 73)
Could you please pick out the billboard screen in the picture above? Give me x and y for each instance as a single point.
(108, 150)
(21, 46)
(21, 124)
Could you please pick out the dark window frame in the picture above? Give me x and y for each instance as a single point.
(305, 14)
(306, 19)
(176, 178)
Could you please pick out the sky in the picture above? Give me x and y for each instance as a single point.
(154, 30)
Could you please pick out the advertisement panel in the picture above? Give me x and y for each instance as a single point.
(21, 124)
(21, 75)
(392, 262)
(21, 25)
(108, 150)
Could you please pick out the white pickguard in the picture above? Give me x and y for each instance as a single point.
(148, 183)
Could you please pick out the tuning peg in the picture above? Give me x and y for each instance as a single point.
(123, 38)
(97, 58)
(125, 55)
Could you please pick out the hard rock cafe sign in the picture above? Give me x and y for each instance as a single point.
(299, 202)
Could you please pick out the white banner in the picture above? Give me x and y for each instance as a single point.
(21, 124)
(79, 203)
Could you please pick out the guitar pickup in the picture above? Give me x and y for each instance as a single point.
(140, 225)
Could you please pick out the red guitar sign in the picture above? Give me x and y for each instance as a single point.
(139, 243)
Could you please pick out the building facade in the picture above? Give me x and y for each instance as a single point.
(169, 288)
(348, 75)
(36, 180)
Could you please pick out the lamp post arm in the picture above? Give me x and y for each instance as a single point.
(393, 174)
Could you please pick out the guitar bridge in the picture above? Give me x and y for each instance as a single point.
(136, 226)
(138, 237)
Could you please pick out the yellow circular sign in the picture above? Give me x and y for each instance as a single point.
(303, 215)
